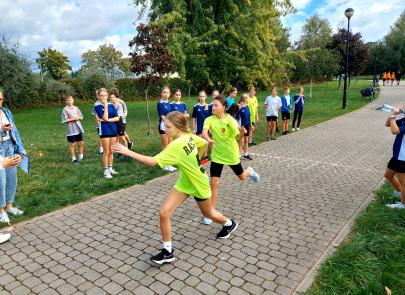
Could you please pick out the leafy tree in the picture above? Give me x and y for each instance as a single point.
(105, 58)
(53, 63)
(215, 42)
(358, 51)
(151, 56)
(394, 40)
(315, 62)
(126, 66)
(91, 80)
(16, 78)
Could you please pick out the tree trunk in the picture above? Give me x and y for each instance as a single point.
(190, 16)
(340, 80)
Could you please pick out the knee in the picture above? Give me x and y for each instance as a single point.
(388, 175)
(164, 214)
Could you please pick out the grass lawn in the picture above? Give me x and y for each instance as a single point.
(55, 183)
(372, 258)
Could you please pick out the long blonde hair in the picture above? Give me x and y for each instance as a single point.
(179, 121)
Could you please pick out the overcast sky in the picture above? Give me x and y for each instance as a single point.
(75, 26)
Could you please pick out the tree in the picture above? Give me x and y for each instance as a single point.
(105, 58)
(215, 42)
(315, 62)
(16, 78)
(394, 41)
(358, 52)
(151, 56)
(126, 66)
(53, 63)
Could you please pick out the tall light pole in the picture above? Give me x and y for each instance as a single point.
(348, 13)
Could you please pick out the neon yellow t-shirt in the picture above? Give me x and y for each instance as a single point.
(224, 132)
(253, 105)
(182, 152)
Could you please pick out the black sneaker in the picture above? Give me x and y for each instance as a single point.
(227, 230)
(163, 257)
(272, 138)
(74, 162)
(248, 157)
(130, 144)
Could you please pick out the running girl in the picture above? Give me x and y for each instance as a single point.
(108, 118)
(225, 134)
(183, 152)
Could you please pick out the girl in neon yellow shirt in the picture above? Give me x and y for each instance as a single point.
(225, 134)
(184, 152)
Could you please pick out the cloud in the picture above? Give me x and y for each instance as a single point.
(371, 18)
(300, 4)
(71, 26)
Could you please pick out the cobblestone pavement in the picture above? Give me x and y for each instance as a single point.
(313, 181)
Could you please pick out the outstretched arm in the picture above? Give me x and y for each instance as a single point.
(145, 160)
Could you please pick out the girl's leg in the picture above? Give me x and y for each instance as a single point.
(164, 140)
(105, 143)
(269, 128)
(246, 144)
(123, 140)
(401, 178)
(251, 134)
(2, 190)
(273, 127)
(299, 118)
(173, 200)
(295, 118)
(111, 141)
(208, 211)
(11, 186)
(72, 149)
(390, 176)
(214, 191)
(81, 148)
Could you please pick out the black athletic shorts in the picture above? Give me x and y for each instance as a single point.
(285, 115)
(75, 138)
(216, 169)
(271, 118)
(160, 130)
(108, 136)
(121, 127)
(397, 165)
(199, 199)
(247, 128)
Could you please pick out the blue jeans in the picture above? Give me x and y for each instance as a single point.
(8, 177)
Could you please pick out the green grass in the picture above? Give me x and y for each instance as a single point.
(372, 258)
(55, 183)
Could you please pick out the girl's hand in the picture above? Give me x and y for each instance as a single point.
(7, 127)
(119, 148)
(210, 141)
(12, 161)
(396, 111)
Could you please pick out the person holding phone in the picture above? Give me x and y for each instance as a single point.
(10, 144)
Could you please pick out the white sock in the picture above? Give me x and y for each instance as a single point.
(80, 156)
(100, 148)
(109, 168)
(250, 141)
(168, 246)
(228, 222)
(246, 154)
(73, 158)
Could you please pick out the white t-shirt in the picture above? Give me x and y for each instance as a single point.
(273, 104)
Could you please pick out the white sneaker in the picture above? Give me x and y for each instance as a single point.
(253, 174)
(112, 171)
(293, 130)
(4, 217)
(298, 129)
(15, 211)
(4, 237)
(397, 195)
(107, 174)
(207, 221)
(398, 205)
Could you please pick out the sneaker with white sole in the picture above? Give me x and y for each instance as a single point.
(15, 211)
(253, 174)
(207, 221)
(4, 237)
(112, 171)
(298, 129)
(293, 130)
(227, 230)
(107, 174)
(398, 205)
(163, 257)
(4, 217)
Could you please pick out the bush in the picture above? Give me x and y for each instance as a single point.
(54, 90)
(90, 81)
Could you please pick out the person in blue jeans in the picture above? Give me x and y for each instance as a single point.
(299, 100)
(10, 144)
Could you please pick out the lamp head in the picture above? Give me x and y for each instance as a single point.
(349, 12)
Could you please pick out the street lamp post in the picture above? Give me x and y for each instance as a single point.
(348, 13)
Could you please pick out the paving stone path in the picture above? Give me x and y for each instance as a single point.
(313, 182)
